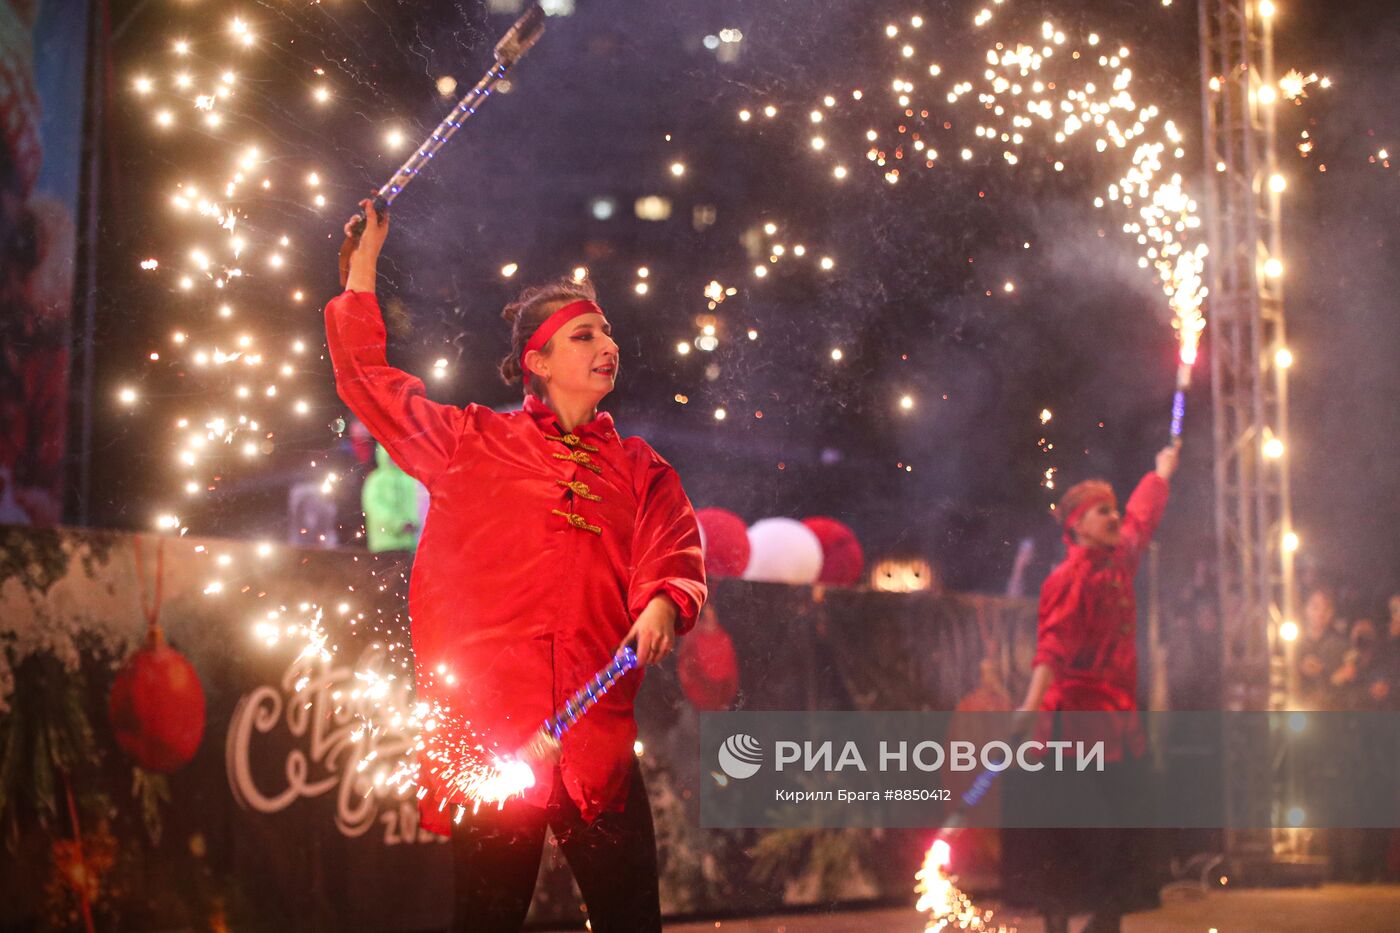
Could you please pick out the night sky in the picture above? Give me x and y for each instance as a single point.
(1084, 333)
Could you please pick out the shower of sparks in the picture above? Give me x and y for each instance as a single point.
(398, 739)
(1051, 95)
(1040, 93)
(948, 908)
(446, 753)
(241, 384)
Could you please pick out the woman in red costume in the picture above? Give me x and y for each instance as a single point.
(550, 541)
(1086, 660)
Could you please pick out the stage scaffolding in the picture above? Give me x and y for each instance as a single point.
(1249, 361)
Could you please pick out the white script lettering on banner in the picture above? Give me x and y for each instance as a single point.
(303, 712)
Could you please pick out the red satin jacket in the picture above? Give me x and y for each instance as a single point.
(539, 551)
(1088, 621)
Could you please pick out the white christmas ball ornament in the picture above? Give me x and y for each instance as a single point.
(783, 550)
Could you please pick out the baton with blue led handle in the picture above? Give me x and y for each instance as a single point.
(544, 745)
(523, 34)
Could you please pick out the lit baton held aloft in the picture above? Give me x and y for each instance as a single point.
(512, 47)
(1183, 382)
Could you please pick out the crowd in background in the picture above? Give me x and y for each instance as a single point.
(1346, 656)
(1347, 660)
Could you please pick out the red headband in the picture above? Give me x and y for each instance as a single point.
(1078, 512)
(551, 326)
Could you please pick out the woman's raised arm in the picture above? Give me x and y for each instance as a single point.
(419, 434)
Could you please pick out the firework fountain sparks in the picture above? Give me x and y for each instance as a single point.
(948, 908)
(1039, 90)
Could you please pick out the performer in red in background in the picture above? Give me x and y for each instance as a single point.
(550, 541)
(1086, 660)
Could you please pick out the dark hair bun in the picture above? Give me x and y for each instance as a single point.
(529, 311)
(510, 369)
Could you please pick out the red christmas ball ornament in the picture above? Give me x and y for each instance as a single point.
(724, 537)
(843, 561)
(157, 707)
(708, 666)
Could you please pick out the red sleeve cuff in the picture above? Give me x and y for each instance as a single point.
(687, 608)
(687, 605)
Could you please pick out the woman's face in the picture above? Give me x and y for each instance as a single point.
(582, 362)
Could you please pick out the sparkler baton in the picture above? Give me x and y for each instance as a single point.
(513, 45)
(970, 798)
(1183, 382)
(543, 747)
(976, 790)
(516, 773)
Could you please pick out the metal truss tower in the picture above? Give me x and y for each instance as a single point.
(1249, 374)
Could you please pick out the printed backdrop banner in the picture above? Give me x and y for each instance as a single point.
(42, 64)
(270, 825)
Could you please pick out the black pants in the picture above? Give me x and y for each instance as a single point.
(496, 858)
(1070, 870)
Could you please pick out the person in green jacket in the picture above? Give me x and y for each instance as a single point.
(391, 500)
